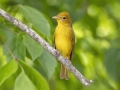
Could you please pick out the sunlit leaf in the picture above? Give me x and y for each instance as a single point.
(7, 70)
(24, 83)
(34, 49)
(35, 77)
(48, 63)
(37, 19)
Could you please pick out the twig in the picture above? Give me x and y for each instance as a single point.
(47, 46)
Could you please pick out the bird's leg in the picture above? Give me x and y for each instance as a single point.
(66, 58)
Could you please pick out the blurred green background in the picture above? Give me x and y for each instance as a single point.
(96, 24)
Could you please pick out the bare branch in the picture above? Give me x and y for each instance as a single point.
(47, 46)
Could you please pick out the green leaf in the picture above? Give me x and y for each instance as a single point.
(34, 49)
(36, 78)
(7, 70)
(112, 63)
(48, 63)
(15, 45)
(24, 83)
(37, 19)
(5, 32)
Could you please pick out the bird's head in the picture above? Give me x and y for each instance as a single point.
(63, 18)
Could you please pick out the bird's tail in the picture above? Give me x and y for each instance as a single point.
(64, 73)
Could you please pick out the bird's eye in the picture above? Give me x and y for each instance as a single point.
(64, 18)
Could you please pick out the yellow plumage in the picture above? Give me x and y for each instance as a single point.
(64, 39)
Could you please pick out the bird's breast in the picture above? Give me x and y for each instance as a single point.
(63, 40)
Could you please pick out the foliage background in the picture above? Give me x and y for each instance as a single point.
(97, 51)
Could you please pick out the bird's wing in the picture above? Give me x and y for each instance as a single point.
(73, 43)
(54, 41)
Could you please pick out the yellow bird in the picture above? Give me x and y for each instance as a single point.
(64, 39)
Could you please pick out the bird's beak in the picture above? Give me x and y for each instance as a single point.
(56, 17)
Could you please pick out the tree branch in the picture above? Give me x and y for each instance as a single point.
(47, 46)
